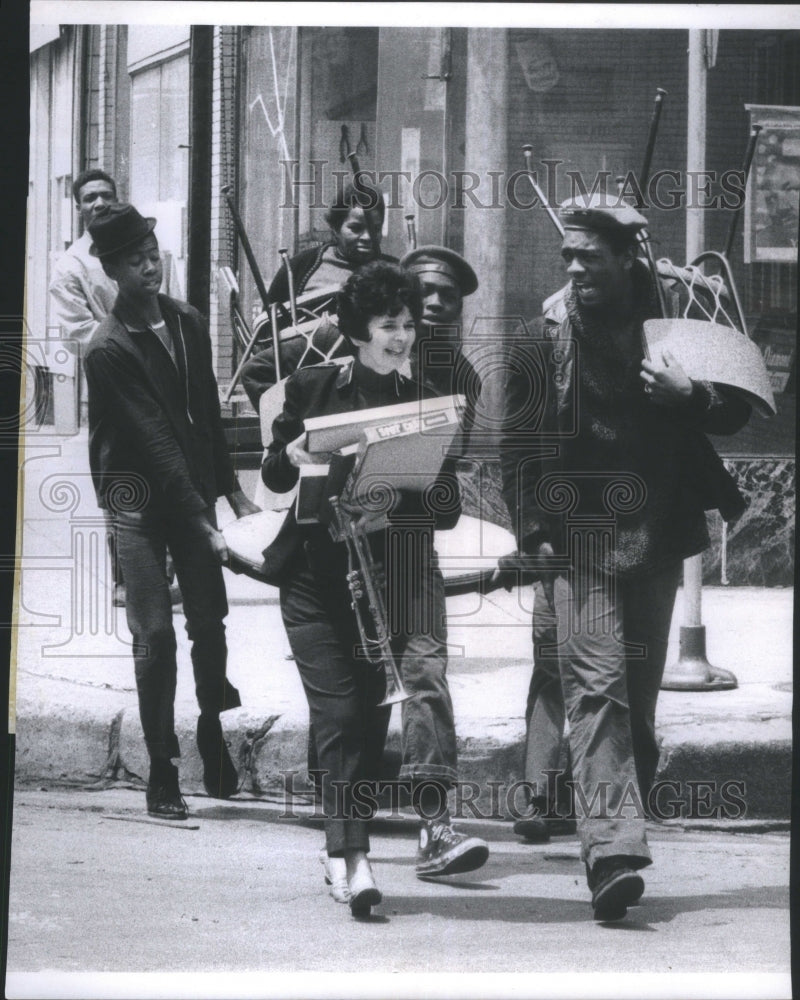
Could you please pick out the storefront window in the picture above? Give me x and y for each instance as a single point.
(159, 166)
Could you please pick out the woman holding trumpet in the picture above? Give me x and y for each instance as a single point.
(379, 309)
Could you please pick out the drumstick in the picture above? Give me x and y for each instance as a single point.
(292, 302)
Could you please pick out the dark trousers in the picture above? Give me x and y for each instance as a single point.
(141, 543)
(612, 649)
(546, 764)
(418, 622)
(417, 619)
(342, 688)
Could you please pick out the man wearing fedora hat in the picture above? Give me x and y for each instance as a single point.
(159, 461)
(605, 465)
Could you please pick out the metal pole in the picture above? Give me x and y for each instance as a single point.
(693, 672)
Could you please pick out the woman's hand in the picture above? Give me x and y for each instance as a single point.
(297, 454)
(666, 384)
(364, 520)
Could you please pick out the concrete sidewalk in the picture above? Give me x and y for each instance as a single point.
(76, 710)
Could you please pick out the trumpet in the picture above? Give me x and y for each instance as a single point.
(365, 581)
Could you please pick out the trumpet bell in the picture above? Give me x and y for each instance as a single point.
(394, 696)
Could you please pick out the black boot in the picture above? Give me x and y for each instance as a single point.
(537, 825)
(219, 775)
(163, 795)
(615, 886)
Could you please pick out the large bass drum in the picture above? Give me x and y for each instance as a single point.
(468, 553)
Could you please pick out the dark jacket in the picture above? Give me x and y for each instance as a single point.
(576, 413)
(439, 365)
(327, 389)
(151, 420)
(303, 265)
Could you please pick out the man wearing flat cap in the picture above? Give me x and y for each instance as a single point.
(446, 279)
(159, 461)
(606, 467)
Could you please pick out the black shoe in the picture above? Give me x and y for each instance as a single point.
(614, 887)
(538, 829)
(444, 851)
(164, 799)
(219, 775)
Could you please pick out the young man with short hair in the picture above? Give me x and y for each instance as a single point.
(159, 461)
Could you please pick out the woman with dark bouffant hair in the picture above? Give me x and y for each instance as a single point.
(379, 308)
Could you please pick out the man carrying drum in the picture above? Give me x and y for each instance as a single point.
(159, 461)
(594, 429)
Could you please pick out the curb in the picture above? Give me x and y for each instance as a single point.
(735, 780)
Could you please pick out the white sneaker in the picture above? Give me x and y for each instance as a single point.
(335, 876)
(364, 893)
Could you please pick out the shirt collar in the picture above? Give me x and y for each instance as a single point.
(131, 321)
(345, 376)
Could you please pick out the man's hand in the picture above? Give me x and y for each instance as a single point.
(214, 538)
(508, 572)
(666, 384)
(297, 454)
(548, 579)
(241, 505)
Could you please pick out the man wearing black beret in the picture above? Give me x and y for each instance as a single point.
(446, 279)
(605, 464)
(159, 460)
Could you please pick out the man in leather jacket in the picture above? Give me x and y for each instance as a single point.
(605, 465)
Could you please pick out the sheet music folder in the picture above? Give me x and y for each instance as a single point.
(395, 448)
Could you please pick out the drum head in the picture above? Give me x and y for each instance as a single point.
(469, 552)
(248, 537)
(319, 301)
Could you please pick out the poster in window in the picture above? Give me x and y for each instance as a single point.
(773, 193)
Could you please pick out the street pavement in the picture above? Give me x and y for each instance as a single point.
(232, 903)
(75, 705)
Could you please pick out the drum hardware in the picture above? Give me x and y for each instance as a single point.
(527, 151)
(241, 232)
(344, 143)
(411, 232)
(284, 255)
(227, 191)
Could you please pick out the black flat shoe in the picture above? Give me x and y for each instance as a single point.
(163, 795)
